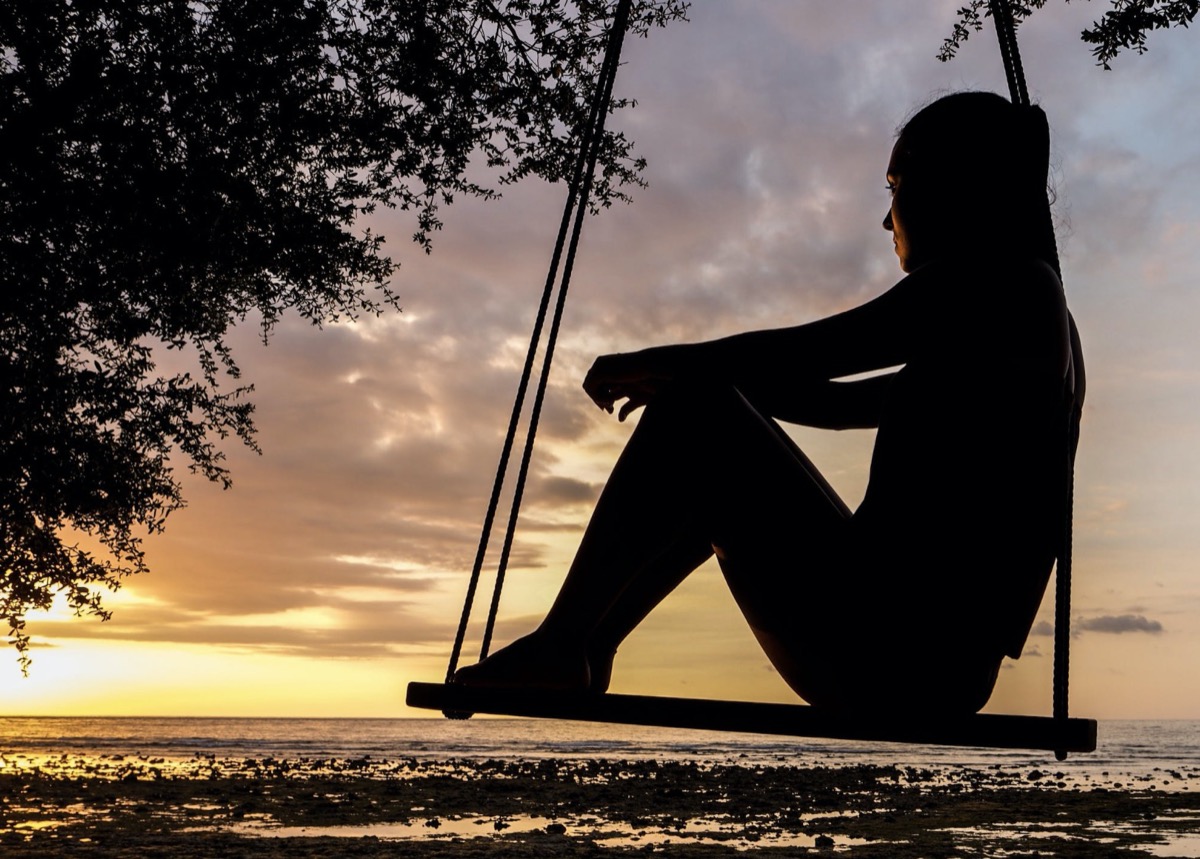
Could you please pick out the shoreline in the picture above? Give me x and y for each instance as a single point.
(117, 805)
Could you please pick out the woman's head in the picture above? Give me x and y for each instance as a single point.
(968, 176)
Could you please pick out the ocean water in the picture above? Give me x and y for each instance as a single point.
(1137, 753)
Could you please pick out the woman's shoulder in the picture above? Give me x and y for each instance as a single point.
(967, 269)
(998, 287)
(1008, 314)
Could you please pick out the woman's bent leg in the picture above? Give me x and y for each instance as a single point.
(702, 469)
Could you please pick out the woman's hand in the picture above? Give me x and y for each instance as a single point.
(636, 377)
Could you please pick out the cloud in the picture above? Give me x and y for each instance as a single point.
(368, 629)
(1112, 623)
(564, 490)
(1118, 623)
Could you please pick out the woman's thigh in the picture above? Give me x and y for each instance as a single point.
(784, 538)
(740, 464)
(866, 634)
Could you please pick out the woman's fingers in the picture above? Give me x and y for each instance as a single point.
(622, 376)
(607, 381)
(631, 405)
(635, 396)
(603, 395)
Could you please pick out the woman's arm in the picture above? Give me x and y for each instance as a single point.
(782, 367)
(827, 405)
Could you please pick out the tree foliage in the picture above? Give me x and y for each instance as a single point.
(170, 168)
(1124, 26)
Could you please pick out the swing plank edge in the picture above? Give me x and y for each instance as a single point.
(984, 729)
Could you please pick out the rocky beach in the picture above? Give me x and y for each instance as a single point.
(126, 806)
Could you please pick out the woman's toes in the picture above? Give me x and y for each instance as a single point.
(528, 662)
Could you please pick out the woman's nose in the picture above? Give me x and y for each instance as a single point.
(887, 221)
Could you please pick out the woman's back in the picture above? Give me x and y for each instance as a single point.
(971, 448)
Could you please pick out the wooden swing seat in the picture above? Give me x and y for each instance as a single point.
(800, 720)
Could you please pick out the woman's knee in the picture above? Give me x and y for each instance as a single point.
(691, 400)
(700, 422)
(708, 414)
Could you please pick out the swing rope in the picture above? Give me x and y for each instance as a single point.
(579, 191)
(1006, 33)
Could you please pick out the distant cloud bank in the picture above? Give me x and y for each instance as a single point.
(1115, 623)
(1120, 623)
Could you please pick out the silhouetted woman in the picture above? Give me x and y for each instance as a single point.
(916, 596)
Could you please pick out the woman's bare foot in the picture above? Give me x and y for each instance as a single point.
(534, 662)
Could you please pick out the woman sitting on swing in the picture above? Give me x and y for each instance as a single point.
(916, 596)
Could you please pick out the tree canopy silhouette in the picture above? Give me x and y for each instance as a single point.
(172, 168)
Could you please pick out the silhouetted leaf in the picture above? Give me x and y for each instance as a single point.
(1125, 25)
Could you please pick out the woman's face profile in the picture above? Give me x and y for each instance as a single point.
(940, 208)
(902, 219)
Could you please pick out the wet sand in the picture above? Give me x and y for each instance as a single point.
(207, 807)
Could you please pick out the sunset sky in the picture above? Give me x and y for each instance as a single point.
(332, 574)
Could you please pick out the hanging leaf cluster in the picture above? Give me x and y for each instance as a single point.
(172, 167)
(1124, 26)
